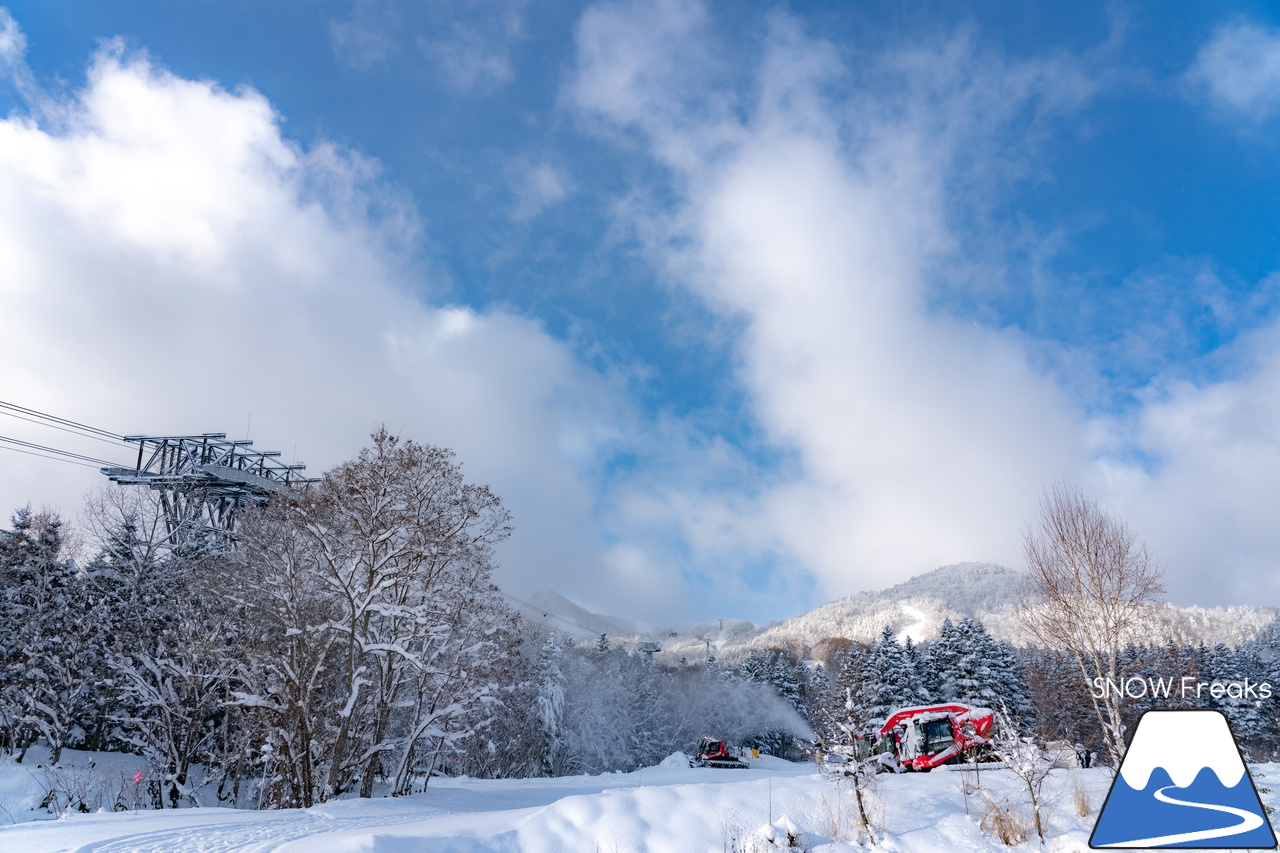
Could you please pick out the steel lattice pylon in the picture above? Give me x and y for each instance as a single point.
(204, 479)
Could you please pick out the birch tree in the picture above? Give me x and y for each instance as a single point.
(1089, 582)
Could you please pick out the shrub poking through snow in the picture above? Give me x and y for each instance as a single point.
(860, 776)
(1028, 761)
(1080, 799)
(1003, 822)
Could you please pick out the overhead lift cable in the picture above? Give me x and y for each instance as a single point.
(43, 456)
(39, 418)
(530, 610)
(115, 442)
(65, 422)
(63, 453)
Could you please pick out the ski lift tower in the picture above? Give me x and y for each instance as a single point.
(202, 480)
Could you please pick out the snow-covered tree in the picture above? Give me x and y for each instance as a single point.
(550, 706)
(851, 712)
(1230, 667)
(377, 615)
(170, 638)
(892, 679)
(786, 674)
(50, 638)
(979, 670)
(938, 662)
(1023, 756)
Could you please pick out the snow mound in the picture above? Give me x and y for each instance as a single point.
(781, 833)
(675, 759)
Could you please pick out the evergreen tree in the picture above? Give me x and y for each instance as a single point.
(51, 640)
(650, 730)
(1059, 699)
(781, 669)
(892, 680)
(856, 693)
(974, 680)
(1221, 664)
(939, 661)
(787, 675)
(756, 665)
(819, 699)
(550, 706)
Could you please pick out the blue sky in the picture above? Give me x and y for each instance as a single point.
(741, 308)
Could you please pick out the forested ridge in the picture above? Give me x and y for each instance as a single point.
(353, 643)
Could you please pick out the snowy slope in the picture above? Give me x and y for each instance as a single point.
(966, 588)
(991, 594)
(917, 607)
(560, 614)
(665, 809)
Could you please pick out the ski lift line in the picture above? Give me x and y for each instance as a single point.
(111, 441)
(546, 615)
(63, 421)
(66, 453)
(59, 420)
(43, 456)
(569, 627)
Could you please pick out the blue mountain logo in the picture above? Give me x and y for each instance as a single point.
(1183, 784)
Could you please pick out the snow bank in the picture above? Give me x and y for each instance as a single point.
(663, 809)
(82, 781)
(674, 760)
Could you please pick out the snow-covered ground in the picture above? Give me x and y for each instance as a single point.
(665, 809)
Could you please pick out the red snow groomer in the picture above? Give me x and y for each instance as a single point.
(928, 736)
(714, 753)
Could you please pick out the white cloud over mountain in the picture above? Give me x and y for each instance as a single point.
(173, 264)
(919, 439)
(818, 201)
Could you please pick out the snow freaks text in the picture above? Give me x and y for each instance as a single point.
(1188, 686)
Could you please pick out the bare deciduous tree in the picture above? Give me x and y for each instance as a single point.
(1089, 582)
(1027, 760)
(381, 625)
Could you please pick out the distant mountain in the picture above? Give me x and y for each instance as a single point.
(563, 615)
(678, 639)
(915, 608)
(967, 588)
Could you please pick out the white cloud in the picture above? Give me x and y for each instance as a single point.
(468, 46)
(13, 43)
(1239, 69)
(368, 37)
(536, 187)
(920, 441)
(1208, 502)
(173, 264)
(817, 213)
(473, 53)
